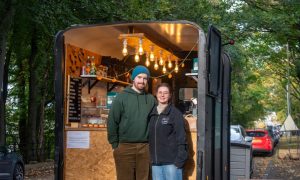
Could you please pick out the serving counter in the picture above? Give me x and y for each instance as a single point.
(96, 161)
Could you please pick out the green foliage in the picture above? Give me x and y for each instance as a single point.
(261, 30)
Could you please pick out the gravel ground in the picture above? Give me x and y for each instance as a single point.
(275, 168)
(40, 171)
(264, 167)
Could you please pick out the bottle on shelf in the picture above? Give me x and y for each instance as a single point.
(88, 66)
(93, 66)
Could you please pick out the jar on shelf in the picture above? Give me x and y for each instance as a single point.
(88, 66)
(93, 66)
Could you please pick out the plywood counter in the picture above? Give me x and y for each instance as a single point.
(97, 163)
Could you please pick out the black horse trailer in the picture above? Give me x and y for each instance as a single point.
(93, 63)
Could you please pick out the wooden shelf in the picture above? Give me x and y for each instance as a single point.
(193, 75)
(106, 79)
(103, 79)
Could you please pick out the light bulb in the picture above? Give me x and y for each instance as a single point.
(170, 76)
(170, 64)
(147, 59)
(137, 58)
(125, 51)
(182, 64)
(161, 61)
(147, 63)
(164, 69)
(176, 68)
(156, 65)
(141, 50)
(152, 53)
(152, 56)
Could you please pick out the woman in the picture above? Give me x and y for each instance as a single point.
(167, 139)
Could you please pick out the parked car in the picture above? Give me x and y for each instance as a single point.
(238, 134)
(275, 133)
(11, 164)
(262, 141)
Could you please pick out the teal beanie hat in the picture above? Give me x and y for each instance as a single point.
(138, 70)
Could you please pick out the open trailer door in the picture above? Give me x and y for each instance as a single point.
(213, 147)
(59, 100)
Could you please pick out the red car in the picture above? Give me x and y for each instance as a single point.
(262, 141)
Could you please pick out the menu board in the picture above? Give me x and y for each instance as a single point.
(74, 114)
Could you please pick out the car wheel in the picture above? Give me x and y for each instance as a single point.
(18, 172)
(271, 153)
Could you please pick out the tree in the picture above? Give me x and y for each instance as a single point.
(7, 13)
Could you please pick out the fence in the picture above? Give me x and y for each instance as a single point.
(289, 145)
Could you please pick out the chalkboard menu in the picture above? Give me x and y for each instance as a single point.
(74, 99)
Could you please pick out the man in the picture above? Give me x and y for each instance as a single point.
(128, 128)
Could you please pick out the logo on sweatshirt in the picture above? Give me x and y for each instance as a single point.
(165, 120)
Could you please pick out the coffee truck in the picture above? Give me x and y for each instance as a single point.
(93, 64)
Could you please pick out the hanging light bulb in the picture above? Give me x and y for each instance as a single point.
(156, 65)
(147, 59)
(152, 53)
(125, 51)
(141, 50)
(147, 63)
(170, 64)
(182, 64)
(161, 61)
(136, 56)
(164, 69)
(170, 76)
(176, 68)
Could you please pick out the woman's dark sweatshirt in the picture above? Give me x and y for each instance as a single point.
(167, 137)
(128, 117)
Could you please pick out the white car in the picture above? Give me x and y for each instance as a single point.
(238, 135)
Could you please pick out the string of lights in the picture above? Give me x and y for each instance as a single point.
(165, 73)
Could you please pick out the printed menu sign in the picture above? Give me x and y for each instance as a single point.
(74, 99)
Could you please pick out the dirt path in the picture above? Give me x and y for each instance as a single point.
(264, 167)
(275, 168)
(40, 171)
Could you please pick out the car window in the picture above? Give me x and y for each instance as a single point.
(255, 134)
(243, 132)
(234, 134)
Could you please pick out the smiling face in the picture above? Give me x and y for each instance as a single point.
(163, 95)
(140, 81)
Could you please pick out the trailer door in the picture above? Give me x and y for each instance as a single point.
(213, 143)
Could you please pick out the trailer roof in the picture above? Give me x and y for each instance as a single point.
(178, 37)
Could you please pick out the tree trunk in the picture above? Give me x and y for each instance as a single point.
(22, 106)
(41, 122)
(41, 134)
(5, 25)
(32, 103)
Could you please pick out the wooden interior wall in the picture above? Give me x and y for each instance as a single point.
(74, 60)
(189, 172)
